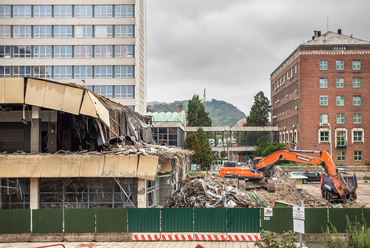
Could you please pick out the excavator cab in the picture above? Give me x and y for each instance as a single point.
(256, 160)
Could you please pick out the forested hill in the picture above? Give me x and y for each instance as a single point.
(221, 113)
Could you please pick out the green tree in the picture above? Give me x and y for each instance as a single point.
(265, 149)
(197, 116)
(205, 147)
(191, 143)
(260, 110)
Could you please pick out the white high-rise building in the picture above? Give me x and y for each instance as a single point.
(98, 44)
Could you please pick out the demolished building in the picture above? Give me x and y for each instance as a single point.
(63, 146)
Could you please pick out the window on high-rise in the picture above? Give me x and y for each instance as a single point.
(357, 118)
(341, 155)
(124, 31)
(340, 100)
(124, 51)
(124, 10)
(5, 71)
(42, 51)
(103, 31)
(42, 71)
(5, 52)
(124, 71)
(341, 140)
(84, 31)
(356, 100)
(323, 83)
(23, 31)
(83, 71)
(103, 71)
(62, 31)
(22, 71)
(42, 11)
(22, 11)
(5, 11)
(42, 31)
(62, 10)
(103, 11)
(104, 90)
(356, 64)
(339, 65)
(340, 119)
(83, 11)
(124, 91)
(340, 82)
(323, 100)
(356, 82)
(83, 51)
(103, 51)
(324, 118)
(5, 31)
(323, 65)
(62, 71)
(62, 51)
(22, 52)
(357, 156)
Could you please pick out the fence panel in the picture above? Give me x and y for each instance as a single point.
(280, 221)
(111, 220)
(177, 220)
(47, 221)
(243, 220)
(316, 220)
(337, 216)
(144, 220)
(15, 221)
(366, 213)
(209, 219)
(79, 220)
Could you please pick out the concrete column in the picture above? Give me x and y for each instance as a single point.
(34, 193)
(35, 129)
(141, 193)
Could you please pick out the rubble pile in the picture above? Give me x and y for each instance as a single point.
(211, 191)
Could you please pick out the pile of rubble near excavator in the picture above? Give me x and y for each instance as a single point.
(212, 191)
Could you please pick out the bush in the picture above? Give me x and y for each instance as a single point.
(269, 239)
(357, 237)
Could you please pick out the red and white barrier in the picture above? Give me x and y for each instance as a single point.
(215, 237)
(145, 237)
(243, 236)
(175, 237)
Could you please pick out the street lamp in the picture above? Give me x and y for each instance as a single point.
(331, 150)
(299, 185)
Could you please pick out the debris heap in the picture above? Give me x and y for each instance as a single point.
(211, 191)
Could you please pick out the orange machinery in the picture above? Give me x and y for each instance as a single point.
(259, 175)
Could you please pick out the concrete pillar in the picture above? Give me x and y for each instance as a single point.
(35, 129)
(141, 193)
(34, 193)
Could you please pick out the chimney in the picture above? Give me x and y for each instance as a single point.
(181, 108)
(339, 31)
(319, 34)
(315, 34)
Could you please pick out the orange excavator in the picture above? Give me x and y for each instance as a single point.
(259, 175)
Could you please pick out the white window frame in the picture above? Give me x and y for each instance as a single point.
(79, 51)
(63, 11)
(22, 31)
(322, 119)
(5, 31)
(83, 31)
(62, 51)
(324, 129)
(42, 51)
(358, 130)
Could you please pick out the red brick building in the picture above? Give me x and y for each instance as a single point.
(319, 96)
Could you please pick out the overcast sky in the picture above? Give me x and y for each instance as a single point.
(230, 48)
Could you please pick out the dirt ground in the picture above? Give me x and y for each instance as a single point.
(363, 191)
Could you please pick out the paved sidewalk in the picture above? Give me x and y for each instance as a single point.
(148, 244)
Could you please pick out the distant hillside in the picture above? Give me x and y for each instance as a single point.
(221, 113)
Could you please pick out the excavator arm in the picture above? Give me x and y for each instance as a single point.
(267, 163)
